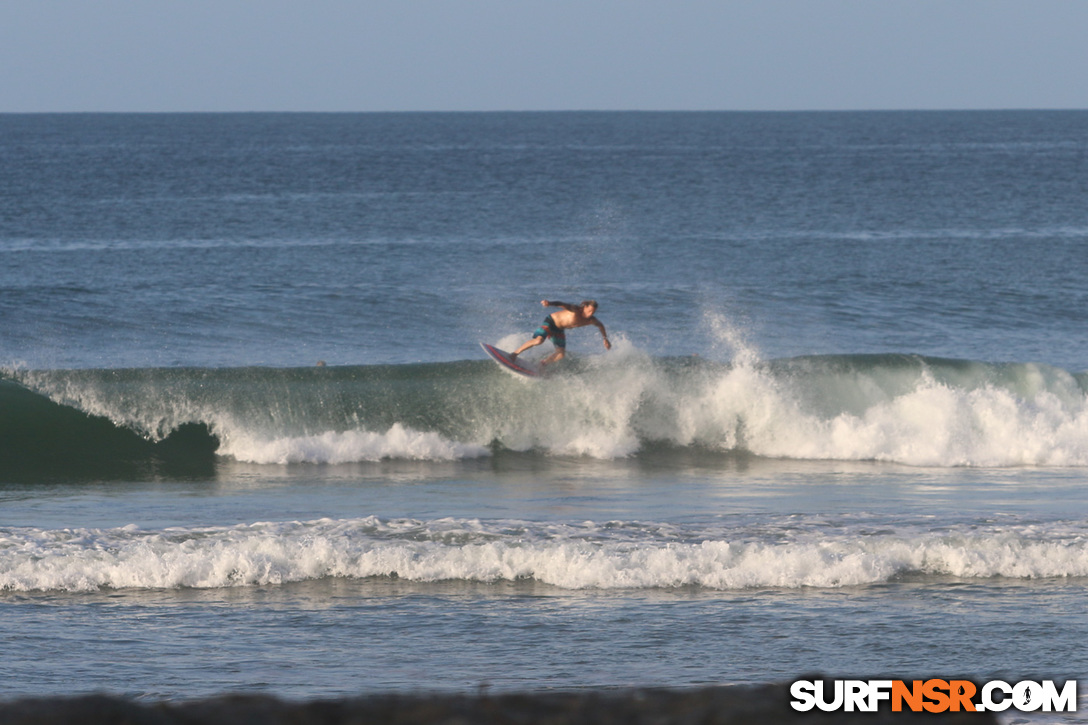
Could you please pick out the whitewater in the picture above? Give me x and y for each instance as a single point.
(722, 555)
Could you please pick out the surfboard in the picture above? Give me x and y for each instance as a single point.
(509, 364)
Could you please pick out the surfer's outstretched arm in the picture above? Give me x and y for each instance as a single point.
(604, 334)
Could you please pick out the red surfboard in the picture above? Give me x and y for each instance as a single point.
(512, 365)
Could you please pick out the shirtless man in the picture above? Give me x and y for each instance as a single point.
(557, 323)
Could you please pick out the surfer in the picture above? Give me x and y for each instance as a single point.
(557, 323)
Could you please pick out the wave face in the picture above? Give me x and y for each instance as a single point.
(588, 555)
(897, 408)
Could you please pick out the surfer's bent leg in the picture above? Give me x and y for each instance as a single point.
(542, 333)
(559, 339)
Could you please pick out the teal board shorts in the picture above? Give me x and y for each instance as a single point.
(549, 329)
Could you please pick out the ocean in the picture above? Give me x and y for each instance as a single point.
(249, 441)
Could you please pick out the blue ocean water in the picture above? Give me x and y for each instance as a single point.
(843, 426)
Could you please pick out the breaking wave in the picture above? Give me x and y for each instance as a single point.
(589, 555)
(898, 408)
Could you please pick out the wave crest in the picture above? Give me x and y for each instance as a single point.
(896, 408)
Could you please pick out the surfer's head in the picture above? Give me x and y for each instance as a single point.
(589, 307)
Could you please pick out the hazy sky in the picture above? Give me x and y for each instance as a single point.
(392, 55)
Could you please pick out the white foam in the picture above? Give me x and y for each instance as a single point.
(581, 556)
(933, 424)
(399, 442)
(1036, 417)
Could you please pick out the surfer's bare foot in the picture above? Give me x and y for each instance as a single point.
(513, 356)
